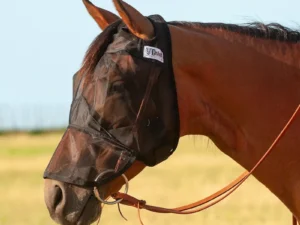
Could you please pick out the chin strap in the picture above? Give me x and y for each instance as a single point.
(210, 200)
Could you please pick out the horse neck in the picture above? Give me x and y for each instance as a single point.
(287, 52)
(240, 98)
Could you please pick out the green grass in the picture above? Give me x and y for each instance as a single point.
(195, 170)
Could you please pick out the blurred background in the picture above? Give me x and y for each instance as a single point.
(42, 44)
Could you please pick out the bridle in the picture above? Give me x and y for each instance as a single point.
(125, 199)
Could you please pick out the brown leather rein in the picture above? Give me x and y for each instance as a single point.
(210, 200)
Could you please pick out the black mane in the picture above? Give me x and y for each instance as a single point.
(272, 31)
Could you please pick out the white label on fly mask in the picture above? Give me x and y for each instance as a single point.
(153, 53)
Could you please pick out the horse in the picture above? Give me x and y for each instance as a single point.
(144, 83)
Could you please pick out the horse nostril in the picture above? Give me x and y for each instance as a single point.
(69, 205)
(54, 196)
(58, 196)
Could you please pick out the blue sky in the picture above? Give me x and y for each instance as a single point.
(42, 43)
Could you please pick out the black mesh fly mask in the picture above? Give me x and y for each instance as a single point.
(123, 109)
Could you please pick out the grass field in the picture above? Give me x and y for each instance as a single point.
(195, 170)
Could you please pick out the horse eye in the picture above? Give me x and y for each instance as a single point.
(118, 86)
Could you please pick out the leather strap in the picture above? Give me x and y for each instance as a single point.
(212, 199)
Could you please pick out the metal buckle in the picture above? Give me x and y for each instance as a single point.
(96, 192)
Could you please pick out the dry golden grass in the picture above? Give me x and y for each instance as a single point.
(195, 170)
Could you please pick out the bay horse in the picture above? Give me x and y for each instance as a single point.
(145, 83)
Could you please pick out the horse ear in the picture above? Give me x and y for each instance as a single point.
(139, 25)
(102, 17)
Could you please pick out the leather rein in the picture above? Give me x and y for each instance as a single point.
(211, 200)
